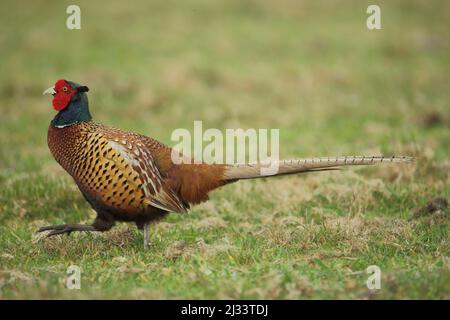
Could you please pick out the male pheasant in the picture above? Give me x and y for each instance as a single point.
(130, 177)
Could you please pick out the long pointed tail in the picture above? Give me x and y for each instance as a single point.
(251, 171)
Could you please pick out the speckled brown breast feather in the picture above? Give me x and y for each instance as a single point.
(114, 168)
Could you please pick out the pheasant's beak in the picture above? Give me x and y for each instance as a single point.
(50, 90)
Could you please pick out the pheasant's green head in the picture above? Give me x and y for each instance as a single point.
(71, 102)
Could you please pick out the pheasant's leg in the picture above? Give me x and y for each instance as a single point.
(67, 228)
(146, 235)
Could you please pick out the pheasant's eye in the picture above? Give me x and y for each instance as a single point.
(65, 89)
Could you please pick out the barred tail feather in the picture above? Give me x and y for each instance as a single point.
(251, 171)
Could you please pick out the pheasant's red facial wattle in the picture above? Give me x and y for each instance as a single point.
(63, 95)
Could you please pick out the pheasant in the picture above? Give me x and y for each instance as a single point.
(129, 177)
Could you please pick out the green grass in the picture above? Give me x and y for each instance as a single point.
(309, 68)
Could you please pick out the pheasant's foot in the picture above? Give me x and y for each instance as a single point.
(66, 228)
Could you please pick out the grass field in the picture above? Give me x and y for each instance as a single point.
(311, 69)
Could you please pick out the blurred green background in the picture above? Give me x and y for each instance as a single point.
(311, 69)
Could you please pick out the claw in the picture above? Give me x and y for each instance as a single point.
(65, 228)
(55, 232)
(54, 227)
